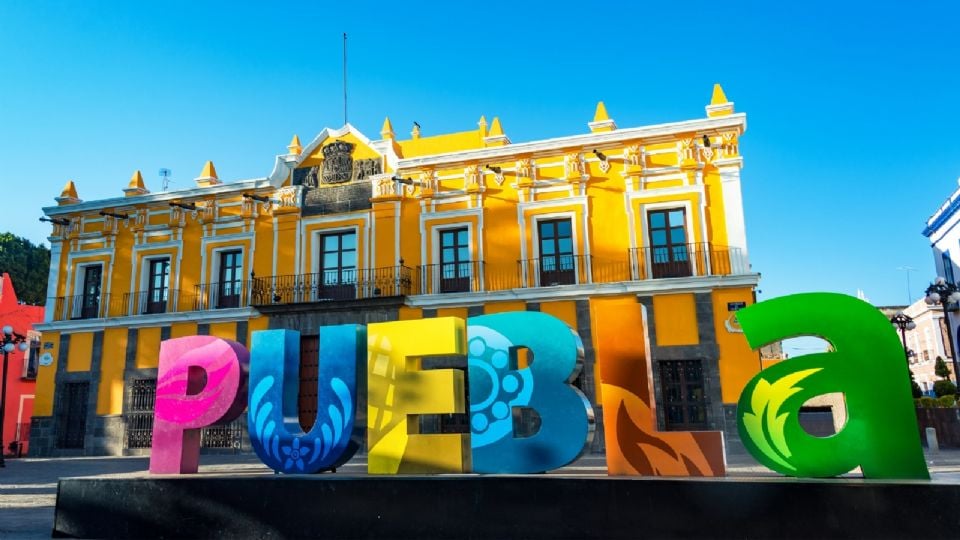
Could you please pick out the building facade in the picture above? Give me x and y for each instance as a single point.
(347, 229)
(943, 232)
(21, 369)
(926, 342)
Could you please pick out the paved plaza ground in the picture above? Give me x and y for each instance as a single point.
(28, 487)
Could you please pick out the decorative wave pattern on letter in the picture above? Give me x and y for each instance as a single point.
(309, 452)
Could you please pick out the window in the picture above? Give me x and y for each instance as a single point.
(455, 260)
(338, 263)
(669, 251)
(947, 266)
(557, 264)
(158, 286)
(681, 382)
(229, 287)
(90, 295)
(31, 360)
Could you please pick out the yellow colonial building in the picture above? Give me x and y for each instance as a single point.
(350, 229)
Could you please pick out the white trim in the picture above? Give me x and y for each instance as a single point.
(643, 287)
(733, 211)
(435, 253)
(159, 319)
(23, 397)
(574, 240)
(645, 209)
(53, 279)
(650, 133)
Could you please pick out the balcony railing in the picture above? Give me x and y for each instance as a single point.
(645, 263)
(219, 295)
(464, 276)
(151, 302)
(332, 285)
(685, 260)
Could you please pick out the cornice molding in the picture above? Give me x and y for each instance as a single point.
(734, 121)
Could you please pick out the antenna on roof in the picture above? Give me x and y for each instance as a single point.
(165, 178)
(344, 78)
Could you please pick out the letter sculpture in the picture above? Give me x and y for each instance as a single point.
(866, 365)
(274, 428)
(398, 391)
(201, 381)
(497, 387)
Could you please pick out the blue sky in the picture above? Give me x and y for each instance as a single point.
(852, 109)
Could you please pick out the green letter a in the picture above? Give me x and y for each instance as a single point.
(867, 366)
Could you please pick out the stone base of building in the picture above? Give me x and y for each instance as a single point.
(336, 506)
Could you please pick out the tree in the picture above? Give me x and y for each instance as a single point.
(914, 387)
(28, 266)
(940, 369)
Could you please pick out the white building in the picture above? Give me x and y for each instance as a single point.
(944, 234)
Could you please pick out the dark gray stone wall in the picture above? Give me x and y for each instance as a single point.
(587, 383)
(42, 437)
(707, 351)
(308, 318)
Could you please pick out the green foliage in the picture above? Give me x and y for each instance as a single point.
(944, 388)
(928, 402)
(946, 401)
(914, 387)
(940, 369)
(28, 266)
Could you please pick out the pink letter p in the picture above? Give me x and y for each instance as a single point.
(201, 381)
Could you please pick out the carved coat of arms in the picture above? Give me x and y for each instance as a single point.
(337, 163)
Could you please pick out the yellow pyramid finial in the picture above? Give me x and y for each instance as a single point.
(601, 114)
(601, 120)
(495, 136)
(386, 132)
(136, 181)
(135, 186)
(495, 127)
(68, 195)
(294, 146)
(482, 123)
(69, 190)
(719, 104)
(718, 96)
(208, 176)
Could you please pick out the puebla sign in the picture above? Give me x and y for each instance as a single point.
(204, 380)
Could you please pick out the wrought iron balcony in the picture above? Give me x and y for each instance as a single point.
(152, 301)
(685, 260)
(219, 295)
(459, 277)
(332, 285)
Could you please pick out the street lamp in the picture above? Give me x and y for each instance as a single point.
(9, 341)
(904, 322)
(943, 292)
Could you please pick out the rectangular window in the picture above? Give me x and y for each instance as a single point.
(681, 382)
(455, 264)
(90, 295)
(557, 262)
(31, 361)
(338, 266)
(947, 266)
(230, 284)
(158, 286)
(669, 250)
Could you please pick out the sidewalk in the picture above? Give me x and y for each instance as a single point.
(28, 487)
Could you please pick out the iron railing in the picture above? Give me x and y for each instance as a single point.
(332, 285)
(463, 276)
(221, 295)
(151, 301)
(686, 260)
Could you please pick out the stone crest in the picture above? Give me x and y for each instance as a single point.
(337, 163)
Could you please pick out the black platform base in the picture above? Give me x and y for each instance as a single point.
(336, 506)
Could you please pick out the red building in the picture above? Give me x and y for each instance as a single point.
(21, 369)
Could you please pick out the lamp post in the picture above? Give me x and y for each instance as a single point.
(943, 292)
(9, 341)
(904, 322)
